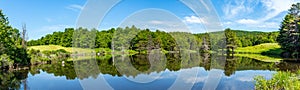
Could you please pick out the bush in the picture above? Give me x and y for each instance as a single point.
(279, 81)
(46, 56)
(5, 61)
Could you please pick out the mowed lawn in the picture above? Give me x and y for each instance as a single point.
(258, 49)
(57, 47)
(268, 52)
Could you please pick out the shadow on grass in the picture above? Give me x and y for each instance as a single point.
(276, 53)
(272, 55)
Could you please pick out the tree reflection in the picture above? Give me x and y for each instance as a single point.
(142, 64)
(11, 80)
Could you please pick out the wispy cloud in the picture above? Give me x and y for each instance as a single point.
(275, 7)
(234, 8)
(53, 28)
(255, 14)
(156, 22)
(75, 7)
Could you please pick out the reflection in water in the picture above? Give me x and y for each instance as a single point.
(236, 67)
(12, 80)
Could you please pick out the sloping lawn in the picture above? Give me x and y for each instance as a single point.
(268, 52)
(259, 49)
(57, 47)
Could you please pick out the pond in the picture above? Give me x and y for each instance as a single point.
(145, 72)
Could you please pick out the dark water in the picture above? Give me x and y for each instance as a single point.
(144, 72)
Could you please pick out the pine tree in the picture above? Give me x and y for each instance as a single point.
(289, 31)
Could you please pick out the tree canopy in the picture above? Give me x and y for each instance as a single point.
(144, 39)
(289, 31)
(10, 50)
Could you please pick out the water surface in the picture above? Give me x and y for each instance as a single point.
(236, 73)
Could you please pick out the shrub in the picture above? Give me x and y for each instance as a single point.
(279, 81)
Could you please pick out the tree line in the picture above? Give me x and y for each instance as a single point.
(143, 39)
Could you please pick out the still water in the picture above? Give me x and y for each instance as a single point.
(235, 73)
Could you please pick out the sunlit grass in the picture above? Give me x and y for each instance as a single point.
(57, 47)
(258, 49)
(268, 52)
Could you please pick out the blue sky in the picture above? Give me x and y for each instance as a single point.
(43, 17)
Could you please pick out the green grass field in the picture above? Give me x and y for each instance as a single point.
(79, 51)
(268, 52)
(259, 49)
(57, 47)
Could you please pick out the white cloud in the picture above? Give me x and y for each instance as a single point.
(75, 7)
(154, 19)
(257, 25)
(255, 14)
(269, 24)
(156, 22)
(227, 23)
(234, 8)
(194, 19)
(53, 28)
(247, 21)
(275, 7)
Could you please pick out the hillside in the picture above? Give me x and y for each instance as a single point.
(258, 49)
(57, 47)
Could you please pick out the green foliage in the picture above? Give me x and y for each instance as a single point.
(38, 56)
(9, 41)
(289, 31)
(5, 61)
(13, 80)
(103, 39)
(205, 45)
(241, 38)
(280, 81)
(143, 40)
(231, 38)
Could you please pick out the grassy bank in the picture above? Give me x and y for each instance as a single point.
(267, 48)
(57, 47)
(80, 53)
(268, 52)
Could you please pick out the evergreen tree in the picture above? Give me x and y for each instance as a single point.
(289, 31)
(231, 38)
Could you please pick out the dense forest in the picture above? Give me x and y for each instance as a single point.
(159, 38)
